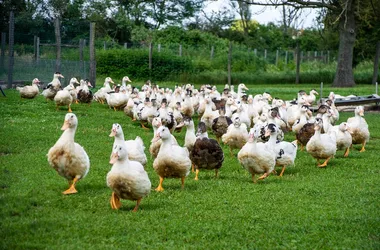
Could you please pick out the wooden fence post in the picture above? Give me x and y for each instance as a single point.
(276, 57)
(159, 47)
(38, 50)
(180, 50)
(328, 56)
(286, 57)
(81, 56)
(92, 55)
(3, 42)
(35, 47)
(57, 28)
(265, 54)
(104, 45)
(212, 53)
(125, 46)
(376, 63)
(10, 48)
(229, 64)
(298, 60)
(255, 52)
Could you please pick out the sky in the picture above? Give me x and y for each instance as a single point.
(266, 14)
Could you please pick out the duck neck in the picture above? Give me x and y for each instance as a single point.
(67, 135)
(272, 139)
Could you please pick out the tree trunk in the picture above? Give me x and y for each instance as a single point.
(344, 76)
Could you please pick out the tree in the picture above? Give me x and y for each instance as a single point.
(347, 14)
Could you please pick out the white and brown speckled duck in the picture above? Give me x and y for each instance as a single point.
(67, 157)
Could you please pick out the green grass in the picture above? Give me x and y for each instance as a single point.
(308, 208)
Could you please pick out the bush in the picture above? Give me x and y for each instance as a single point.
(135, 63)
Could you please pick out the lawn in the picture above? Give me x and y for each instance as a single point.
(308, 208)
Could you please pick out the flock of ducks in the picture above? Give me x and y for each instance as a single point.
(253, 125)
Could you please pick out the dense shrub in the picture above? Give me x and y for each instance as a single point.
(135, 63)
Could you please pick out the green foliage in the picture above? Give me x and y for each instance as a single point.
(118, 63)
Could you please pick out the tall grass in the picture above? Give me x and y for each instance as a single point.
(308, 208)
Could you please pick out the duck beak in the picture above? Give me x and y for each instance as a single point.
(361, 113)
(113, 133)
(156, 137)
(114, 158)
(267, 133)
(316, 127)
(65, 125)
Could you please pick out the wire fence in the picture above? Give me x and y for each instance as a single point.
(34, 60)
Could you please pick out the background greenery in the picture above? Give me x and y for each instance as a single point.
(308, 208)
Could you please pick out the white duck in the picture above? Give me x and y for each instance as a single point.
(304, 118)
(135, 147)
(190, 133)
(64, 97)
(343, 137)
(286, 152)
(358, 128)
(127, 179)
(100, 95)
(156, 144)
(117, 100)
(257, 157)
(294, 111)
(72, 89)
(29, 91)
(321, 146)
(209, 114)
(236, 135)
(52, 88)
(172, 160)
(67, 157)
(311, 97)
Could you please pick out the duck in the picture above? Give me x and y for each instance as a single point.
(53, 87)
(304, 118)
(172, 161)
(64, 98)
(257, 157)
(343, 137)
(29, 91)
(209, 114)
(311, 97)
(286, 152)
(307, 131)
(190, 136)
(84, 93)
(156, 144)
(71, 88)
(117, 100)
(127, 179)
(294, 111)
(220, 124)
(321, 146)
(206, 152)
(67, 157)
(100, 95)
(135, 147)
(147, 112)
(358, 128)
(236, 135)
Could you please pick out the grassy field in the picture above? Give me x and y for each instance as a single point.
(308, 208)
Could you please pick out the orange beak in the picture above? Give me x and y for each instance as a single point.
(65, 125)
(114, 158)
(113, 133)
